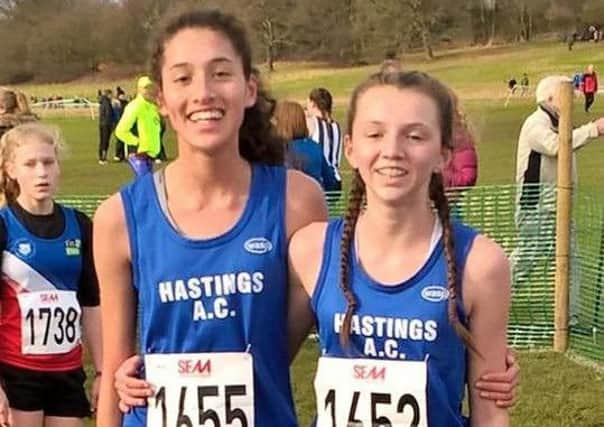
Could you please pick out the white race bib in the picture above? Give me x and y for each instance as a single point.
(370, 393)
(50, 322)
(201, 389)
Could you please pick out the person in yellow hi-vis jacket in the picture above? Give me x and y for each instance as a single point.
(140, 127)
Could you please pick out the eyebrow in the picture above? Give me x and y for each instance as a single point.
(213, 61)
(407, 125)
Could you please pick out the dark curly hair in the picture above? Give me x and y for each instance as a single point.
(258, 142)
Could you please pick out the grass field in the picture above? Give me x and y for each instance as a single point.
(555, 391)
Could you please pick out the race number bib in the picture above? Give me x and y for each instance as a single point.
(50, 322)
(201, 389)
(370, 393)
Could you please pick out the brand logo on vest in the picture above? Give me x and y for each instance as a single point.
(258, 245)
(435, 293)
(25, 248)
(72, 247)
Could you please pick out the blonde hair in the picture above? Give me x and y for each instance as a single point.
(16, 137)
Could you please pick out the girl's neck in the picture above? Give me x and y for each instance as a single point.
(393, 244)
(397, 226)
(36, 207)
(200, 176)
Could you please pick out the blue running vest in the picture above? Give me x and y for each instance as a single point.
(59, 260)
(224, 294)
(46, 265)
(409, 318)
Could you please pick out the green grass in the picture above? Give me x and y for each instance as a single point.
(555, 391)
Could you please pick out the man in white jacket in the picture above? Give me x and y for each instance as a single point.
(536, 176)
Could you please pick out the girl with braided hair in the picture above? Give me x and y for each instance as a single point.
(410, 305)
(201, 249)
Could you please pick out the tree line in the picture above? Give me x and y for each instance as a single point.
(58, 40)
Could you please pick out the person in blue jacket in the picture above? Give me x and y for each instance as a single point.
(302, 152)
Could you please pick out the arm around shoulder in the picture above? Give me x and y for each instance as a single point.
(486, 290)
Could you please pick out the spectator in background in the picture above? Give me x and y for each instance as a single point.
(524, 84)
(325, 131)
(576, 81)
(118, 110)
(14, 110)
(391, 64)
(589, 85)
(106, 124)
(302, 152)
(536, 176)
(512, 87)
(572, 38)
(462, 168)
(140, 127)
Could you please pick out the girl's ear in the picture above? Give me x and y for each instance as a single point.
(10, 169)
(161, 103)
(251, 93)
(349, 151)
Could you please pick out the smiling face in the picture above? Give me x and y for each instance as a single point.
(396, 143)
(35, 167)
(204, 90)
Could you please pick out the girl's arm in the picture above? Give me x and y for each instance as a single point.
(305, 257)
(88, 297)
(486, 292)
(91, 325)
(305, 205)
(118, 308)
(5, 414)
(123, 130)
